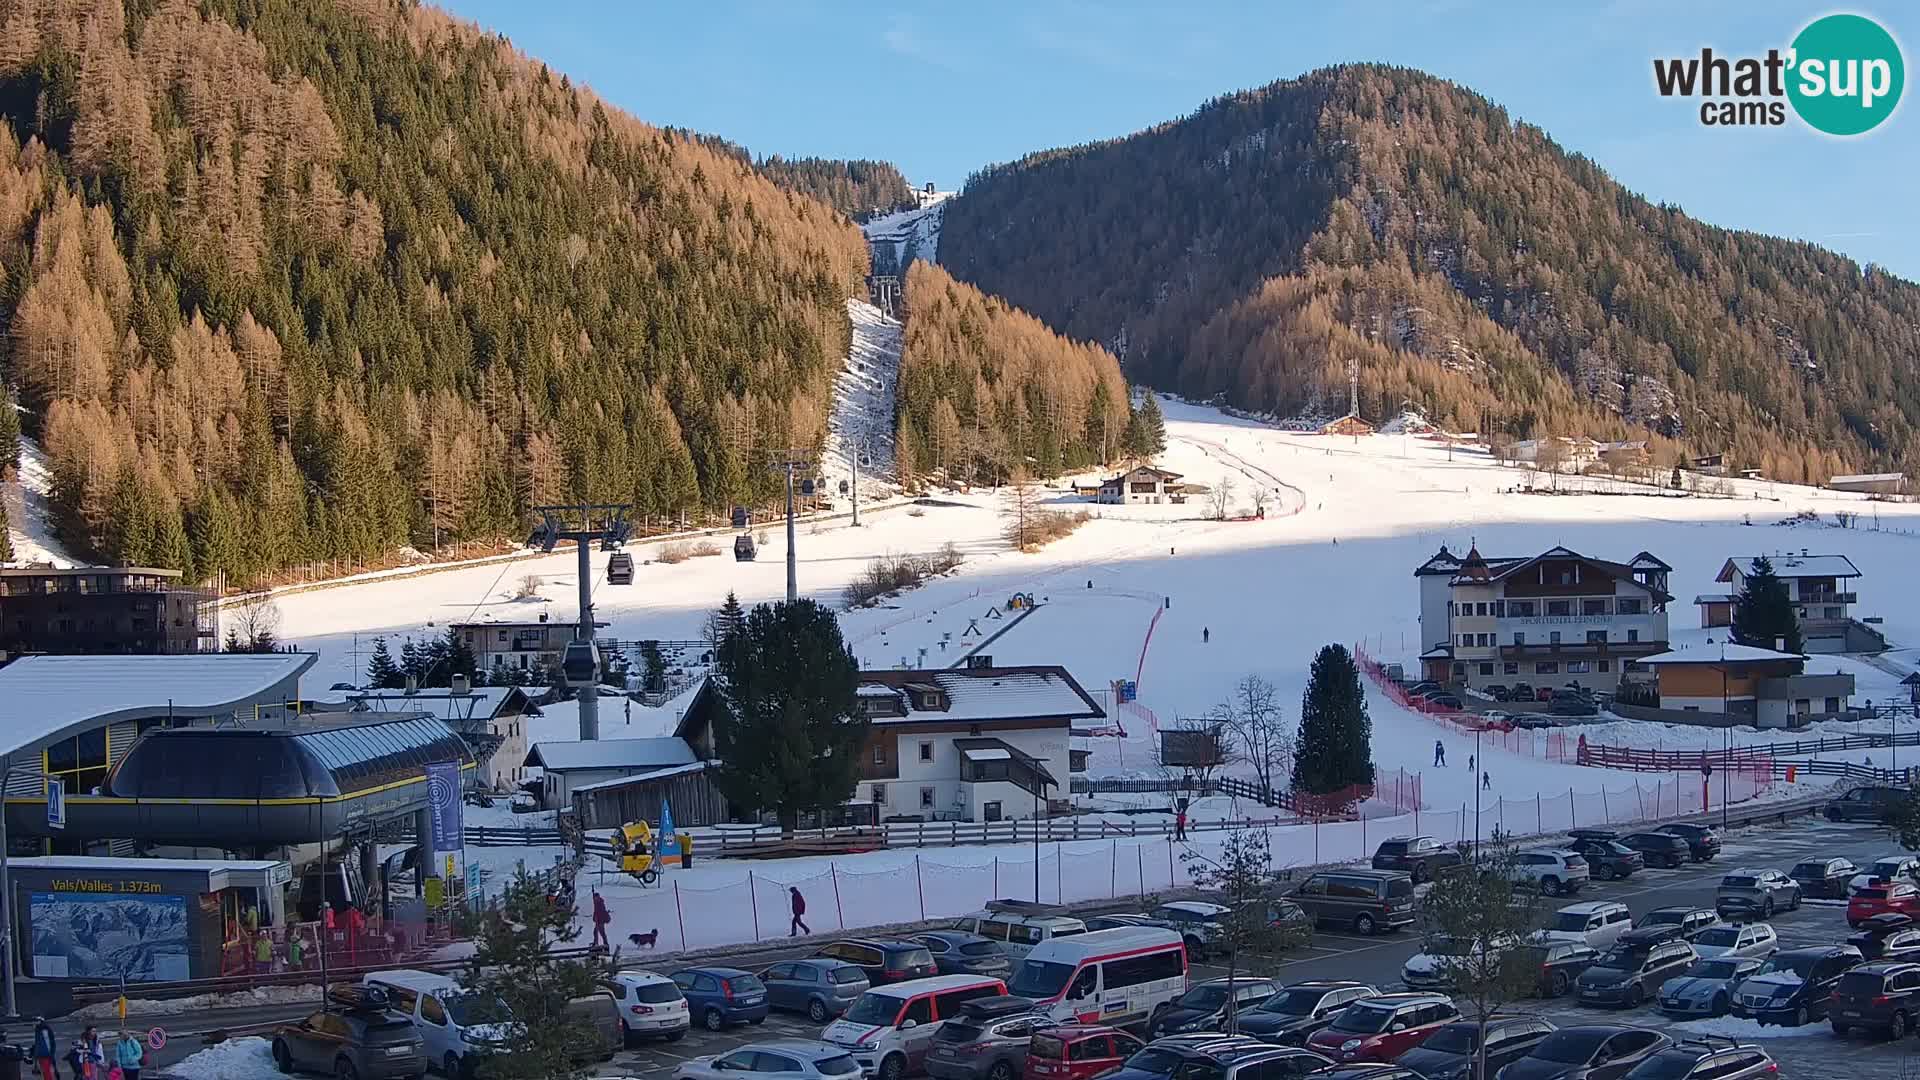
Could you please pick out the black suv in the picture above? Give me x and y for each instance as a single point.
(1288, 1017)
(1607, 858)
(1590, 1052)
(1368, 901)
(1824, 878)
(1677, 921)
(1880, 997)
(1632, 971)
(1711, 1059)
(355, 1035)
(1420, 856)
(1865, 804)
(883, 960)
(1560, 963)
(1796, 985)
(1658, 848)
(1702, 840)
(1448, 1053)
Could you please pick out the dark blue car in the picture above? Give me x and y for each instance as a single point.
(719, 997)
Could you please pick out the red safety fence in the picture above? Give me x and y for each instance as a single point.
(1544, 745)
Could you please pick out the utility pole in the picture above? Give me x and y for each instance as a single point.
(858, 451)
(790, 461)
(584, 523)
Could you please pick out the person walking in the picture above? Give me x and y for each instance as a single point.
(601, 917)
(296, 951)
(44, 1047)
(1439, 754)
(93, 1054)
(799, 905)
(262, 953)
(129, 1055)
(1180, 825)
(77, 1059)
(1485, 781)
(1469, 762)
(1206, 635)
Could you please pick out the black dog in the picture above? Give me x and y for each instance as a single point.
(647, 939)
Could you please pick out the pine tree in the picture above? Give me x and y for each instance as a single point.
(1334, 749)
(790, 738)
(413, 663)
(9, 433)
(456, 658)
(723, 620)
(520, 966)
(1153, 428)
(1763, 615)
(382, 672)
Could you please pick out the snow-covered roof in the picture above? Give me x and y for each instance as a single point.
(564, 755)
(645, 777)
(1794, 566)
(992, 753)
(102, 862)
(875, 690)
(1714, 598)
(51, 696)
(479, 703)
(1715, 654)
(1868, 478)
(1001, 694)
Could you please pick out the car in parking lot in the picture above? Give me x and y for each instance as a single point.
(1880, 997)
(1217, 1057)
(355, 1034)
(1755, 894)
(1867, 803)
(817, 986)
(883, 960)
(1882, 898)
(650, 1005)
(1707, 1059)
(719, 997)
(1421, 857)
(1794, 986)
(987, 1039)
(1702, 840)
(1679, 920)
(792, 1059)
(957, 952)
(1438, 964)
(1632, 971)
(1205, 1006)
(1607, 859)
(1824, 879)
(1756, 939)
(1706, 987)
(1553, 871)
(1559, 962)
(1596, 923)
(1888, 868)
(1449, 1053)
(1588, 1052)
(1658, 848)
(1296, 1012)
(1365, 901)
(1197, 921)
(1384, 1027)
(1119, 920)
(1078, 1052)
(1892, 936)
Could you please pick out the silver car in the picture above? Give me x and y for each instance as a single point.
(1706, 988)
(1755, 939)
(793, 1059)
(1756, 894)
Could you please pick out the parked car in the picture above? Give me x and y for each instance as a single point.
(650, 1005)
(1823, 878)
(956, 952)
(1794, 986)
(1204, 1007)
(1544, 693)
(1573, 703)
(1296, 1012)
(719, 997)
(1887, 937)
(1883, 998)
(357, 1034)
(1632, 971)
(1882, 898)
(1553, 871)
(793, 1059)
(1560, 963)
(1887, 868)
(1871, 803)
(458, 1025)
(1365, 1071)
(1707, 1059)
(1384, 1027)
(1436, 967)
(1686, 922)
(1422, 687)
(1658, 848)
(1444, 700)
(1595, 924)
(1078, 1052)
(1588, 1052)
(1756, 939)
(1706, 988)
(1497, 692)
(1753, 894)
(1217, 1057)
(1702, 840)
(1197, 921)
(1520, 692)
(1608, 860)
(1448, 1054)
(1366, 901)
(1532, 721)
(1117, 920)
(598, 1012)
(883, 961)
(890, 1030)
(988, 1039)
(817, 986)
(1420, 856)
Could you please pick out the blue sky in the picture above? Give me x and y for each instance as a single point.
(941, 90)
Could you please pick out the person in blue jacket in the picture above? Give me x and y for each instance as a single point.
(44, 1047)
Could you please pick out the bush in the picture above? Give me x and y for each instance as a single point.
(889, 574)
(529, 588)
(1049, 525)
(703, 549)
(675, 553)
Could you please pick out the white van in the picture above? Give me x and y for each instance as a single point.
(456, 1024)
(1594, 924)
(1114, 977)
(1016, 927)
(889, 1029)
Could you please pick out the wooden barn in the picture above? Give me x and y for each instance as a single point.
(1350, 424)
(687, 789)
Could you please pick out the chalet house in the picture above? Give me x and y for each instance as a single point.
(499, 712)
(1551, 619)
(971, 744)
(518, 646)
(1141, 484)
(1748, 685)
(1350, 424)
(1575, 453)
(1821, 588)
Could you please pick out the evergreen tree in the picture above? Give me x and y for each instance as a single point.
(723, 620)
(9, 432)
(6, 535)
(1763, 615)
(382, 672)
(413, 663)
(790, 738)
(1334, 749)
(1153, 428)
(520, 966)
(456, 658)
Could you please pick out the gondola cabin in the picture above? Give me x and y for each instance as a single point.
(620, 569)
(743, 548)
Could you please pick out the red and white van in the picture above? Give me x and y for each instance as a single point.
(889, 1029)
(1114, 977)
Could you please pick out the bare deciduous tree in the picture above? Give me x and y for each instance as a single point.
(1262, 498)
(1221, 498)
(253, 624)
(1253, 718)
(1022, 503)
(1192, 752)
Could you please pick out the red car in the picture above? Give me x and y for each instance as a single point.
(1881, 898)
(1382, 1028)
(1078, 1051)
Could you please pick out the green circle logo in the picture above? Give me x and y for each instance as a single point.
(1847, 74)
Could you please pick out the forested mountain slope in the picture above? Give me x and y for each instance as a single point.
(1477, 271)
(857, 187)
(299, 281)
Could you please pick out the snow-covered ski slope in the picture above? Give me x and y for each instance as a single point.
(27, 520)
(1332, 561)
(899, 238)
(863, 397)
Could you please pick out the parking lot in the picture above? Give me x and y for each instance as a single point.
(1812, 1051)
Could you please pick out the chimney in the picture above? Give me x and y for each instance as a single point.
(413, 685)
(460, 685)
(1779, 644)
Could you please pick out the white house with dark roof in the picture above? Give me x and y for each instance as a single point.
(1140, 484)
(1823, 593)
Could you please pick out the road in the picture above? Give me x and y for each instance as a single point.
(1811, 1052)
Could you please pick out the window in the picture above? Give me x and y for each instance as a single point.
(1499, 609)
(1576, 667)
(1633, 635)
(1519, 638)
(1486, 669)
(1593, 607)
(1466, 639)
(1559, 607)
(80, 761)
(1553, 638)
(879, 753)
(1509, 669)
(1604, 666)
(926, 751)
(1546, 667)
(432, 1011)
(1483, 640)
(1134, 970)
(1628, 605)
(1830, 613)
(919, 1009)
(880, 793)
(1523, 609)
(926, 798)
(1479, 609)
(1596, 637)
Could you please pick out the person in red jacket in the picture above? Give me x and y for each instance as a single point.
(601, 917)
(799, 909)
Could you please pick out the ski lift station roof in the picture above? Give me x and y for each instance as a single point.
(49, 698)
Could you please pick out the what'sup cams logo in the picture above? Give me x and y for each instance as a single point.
(1842, 75)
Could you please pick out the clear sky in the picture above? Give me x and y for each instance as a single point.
(942, 89)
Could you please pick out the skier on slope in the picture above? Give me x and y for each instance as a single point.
(1439, 754)
(1206, 635)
